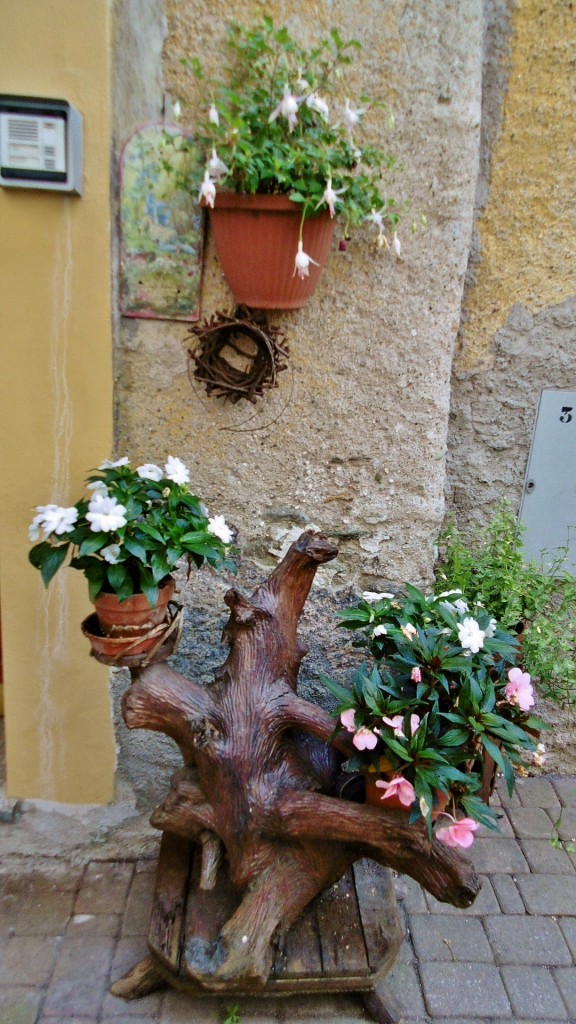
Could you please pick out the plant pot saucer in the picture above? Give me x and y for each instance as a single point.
(135, 652)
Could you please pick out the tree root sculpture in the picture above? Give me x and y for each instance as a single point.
(258, 785)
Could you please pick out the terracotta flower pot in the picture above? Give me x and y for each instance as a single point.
(134, 651)
(256, 240)
(135, 616)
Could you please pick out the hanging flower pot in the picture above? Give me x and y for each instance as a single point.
(136, 648)
(256, 238)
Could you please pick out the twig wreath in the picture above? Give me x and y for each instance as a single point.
(237, 356)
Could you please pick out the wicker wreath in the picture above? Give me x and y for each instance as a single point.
(237, 356)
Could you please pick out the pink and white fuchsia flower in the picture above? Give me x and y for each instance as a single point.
(330, 197)
(288, 108)
(302, 262)
(207, 190)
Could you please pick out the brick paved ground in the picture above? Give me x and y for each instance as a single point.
(66, 931)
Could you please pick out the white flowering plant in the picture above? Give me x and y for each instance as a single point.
(280, 120)
(444, 694)
(130, 531)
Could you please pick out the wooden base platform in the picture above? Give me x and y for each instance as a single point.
(346, 940)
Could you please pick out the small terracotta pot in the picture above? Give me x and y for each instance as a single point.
(135, 616)
(256, 239)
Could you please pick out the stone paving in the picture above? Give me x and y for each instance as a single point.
(67, 929)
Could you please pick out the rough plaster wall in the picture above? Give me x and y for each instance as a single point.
(519, 325)
(354, 439)
(359, 445)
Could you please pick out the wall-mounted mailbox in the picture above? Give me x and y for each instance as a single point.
(40, 144)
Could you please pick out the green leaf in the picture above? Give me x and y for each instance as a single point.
(117, 576)
(134, 547)
(343, 695)
(50, 561)
(149, 587)
(91, 544)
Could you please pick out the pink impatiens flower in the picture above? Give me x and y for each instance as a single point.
(416, 675)
(365, 739)
(519, 689)
(414, 723)
(400, 788)
(460, 833)
(348, 719)
(396, 723)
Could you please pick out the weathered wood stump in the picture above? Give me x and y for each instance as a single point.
(257, 795)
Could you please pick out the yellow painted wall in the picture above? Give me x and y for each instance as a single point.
(528, 229)
(55, 406)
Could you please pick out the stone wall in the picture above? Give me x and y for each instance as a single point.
(354, 439)
(357, 439)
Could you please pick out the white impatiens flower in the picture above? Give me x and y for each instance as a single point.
(176, 471)
(216, 167)
(379, 630)
(316, 103)
(330, 197)
(149, 471)
(470, 635)
(302, 262)
(396, 245)
(111, 553)
(98, 487)
(371, 596)
(34, 528)
(107, 464)
(52, 519)
(218, 528)
(491, 628)
(288, 108)
(207, 190)
(213, 116)
(462, 607)
(105, 514)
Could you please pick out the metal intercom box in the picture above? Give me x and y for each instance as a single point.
(548, 508)
(40, 144)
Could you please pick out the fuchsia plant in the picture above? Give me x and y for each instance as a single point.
(280, 120)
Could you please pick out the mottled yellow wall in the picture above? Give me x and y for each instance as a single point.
(528, 228)
(55, 406)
